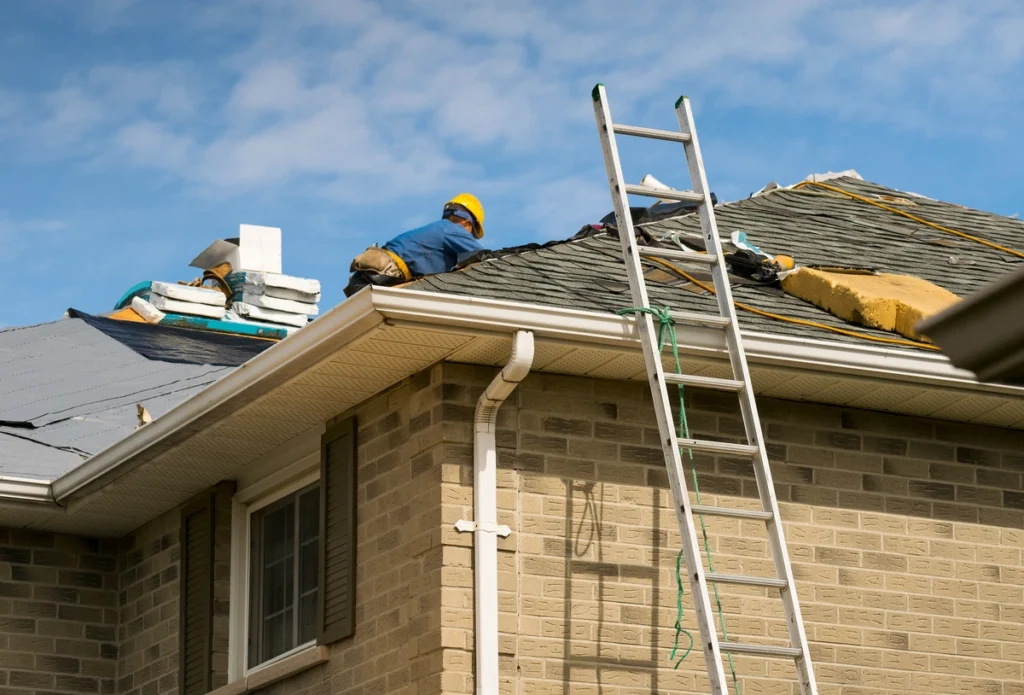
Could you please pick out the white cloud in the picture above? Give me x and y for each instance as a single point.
(71, 114)
(561, 207)
(362, 101)
(16, 235)
(149, 144)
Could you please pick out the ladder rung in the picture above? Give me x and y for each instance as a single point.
(705, 382)
(713, 447)
(770, 582)
(678, 255)
(760, 650)
(664, 194)
(653, 133)
(732, 512)
(711, 320)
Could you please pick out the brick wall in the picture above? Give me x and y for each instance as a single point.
(149, 591)
(58, 614)
(905, 535)
(79, 616)
(396, 648)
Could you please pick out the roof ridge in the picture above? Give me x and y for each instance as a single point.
(573, 239)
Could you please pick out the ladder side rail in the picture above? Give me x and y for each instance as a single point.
(659, 392)
(748, 406)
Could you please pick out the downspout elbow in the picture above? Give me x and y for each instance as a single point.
(514, 371)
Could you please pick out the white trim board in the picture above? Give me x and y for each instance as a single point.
(382, 335)
(256, 496)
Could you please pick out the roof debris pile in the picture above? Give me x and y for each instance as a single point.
(242, 291)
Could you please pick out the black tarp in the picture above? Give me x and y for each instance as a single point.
(179, 345)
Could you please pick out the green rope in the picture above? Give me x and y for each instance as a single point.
(667, 333)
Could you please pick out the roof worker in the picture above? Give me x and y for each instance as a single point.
(433, 248)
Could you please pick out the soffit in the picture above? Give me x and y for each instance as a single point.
(389, 353)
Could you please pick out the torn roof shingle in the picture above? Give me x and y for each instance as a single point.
(68, 389)
(815, 226)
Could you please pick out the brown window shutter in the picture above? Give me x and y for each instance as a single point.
(337, 532)
(196, 602)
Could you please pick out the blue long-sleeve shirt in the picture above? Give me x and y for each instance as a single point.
(433, 248)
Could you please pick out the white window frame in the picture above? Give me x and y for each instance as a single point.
(281, 482)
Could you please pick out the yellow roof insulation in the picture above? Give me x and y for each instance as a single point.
(890, 302)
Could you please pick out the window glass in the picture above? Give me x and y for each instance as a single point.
(284, 577)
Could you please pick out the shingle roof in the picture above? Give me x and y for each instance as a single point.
(69, 389)
(812, 225)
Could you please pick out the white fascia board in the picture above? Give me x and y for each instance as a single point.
(313, 343)
(369, 308)
(570, 325)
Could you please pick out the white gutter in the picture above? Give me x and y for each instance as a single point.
(446, 312)
(18, 492)
(485, 509)
(372, 307)
(257, 376)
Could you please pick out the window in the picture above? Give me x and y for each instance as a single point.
(293, 553)
(284, 574)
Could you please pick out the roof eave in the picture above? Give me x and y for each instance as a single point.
(27, 492)
(554, 323)
(370, 308)
(254, 378)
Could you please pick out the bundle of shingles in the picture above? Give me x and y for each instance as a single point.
(171, 298)
(273, 298)
(255, 299)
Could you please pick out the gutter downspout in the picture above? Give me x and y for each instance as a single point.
(485, 509)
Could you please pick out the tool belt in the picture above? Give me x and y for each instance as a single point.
(381, 262)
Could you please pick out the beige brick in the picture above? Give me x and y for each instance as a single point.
(884, 523)
(859, 540)
(932, 567)
(953, 665)
(908, 583)
(905, 661)
(981, 610)
(978, 686)
(835, 517)
(984, 649)
(906, 545)
(895, 602)
(861, 578)
(930, 682)
(950, 588)
(885, 600)
(1008, 558)
(907, 621)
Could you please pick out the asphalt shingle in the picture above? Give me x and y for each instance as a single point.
(815, 226)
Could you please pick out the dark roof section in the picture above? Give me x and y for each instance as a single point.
(984, 333)
(69, 389)
(815, 226)
(173, 344)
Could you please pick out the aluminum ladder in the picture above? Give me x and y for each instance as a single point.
(740, 384)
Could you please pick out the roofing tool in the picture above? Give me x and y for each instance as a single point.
(673, 442)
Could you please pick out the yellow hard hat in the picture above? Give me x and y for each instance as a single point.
(473, 206)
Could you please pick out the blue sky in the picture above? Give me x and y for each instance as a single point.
(134, 133)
